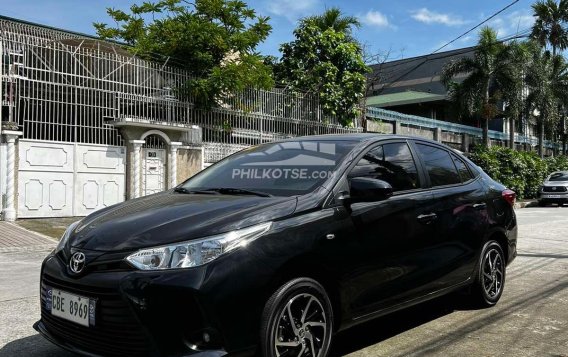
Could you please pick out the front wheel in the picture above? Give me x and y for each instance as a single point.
(297, 321)
(542, 203)
(490, 278)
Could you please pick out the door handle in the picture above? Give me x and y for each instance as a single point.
(427, 218)
(480, 206)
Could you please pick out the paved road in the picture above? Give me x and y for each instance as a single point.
(530, 320)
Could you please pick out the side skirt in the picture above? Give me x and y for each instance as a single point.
(370, 316)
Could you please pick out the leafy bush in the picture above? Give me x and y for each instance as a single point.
(558, 163)
(523, 172)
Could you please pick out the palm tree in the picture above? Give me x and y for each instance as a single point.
(513, 83)
(334, 19)
(547, 80)
(550, 28)
(550, 25)
(477, 95)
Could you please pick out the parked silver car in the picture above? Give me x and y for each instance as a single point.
(554, 189)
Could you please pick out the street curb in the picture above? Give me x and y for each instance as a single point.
(525, 204)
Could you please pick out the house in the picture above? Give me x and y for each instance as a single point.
(413, 86)
(86, 124)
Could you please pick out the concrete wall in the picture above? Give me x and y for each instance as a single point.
(461, 142)
(452, 137)
(412, 131)
(186, 165)
(379, 127)
(189, 162)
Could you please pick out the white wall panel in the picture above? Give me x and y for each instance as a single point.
(96, 191)
(59, 180)
(100, 159)
(46, 157)
(45, 194)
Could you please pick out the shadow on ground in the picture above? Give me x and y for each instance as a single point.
(33, 346)
(385, 327)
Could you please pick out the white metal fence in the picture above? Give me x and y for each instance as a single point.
(63, 87)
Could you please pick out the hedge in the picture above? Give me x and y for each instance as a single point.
(523, 172)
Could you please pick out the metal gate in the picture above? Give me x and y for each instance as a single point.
(153, 173)
(62, 179)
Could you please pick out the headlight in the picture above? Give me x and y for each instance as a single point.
(65, 236)
(196, 252)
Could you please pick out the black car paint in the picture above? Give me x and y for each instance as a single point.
(170, 217)
(381, 257)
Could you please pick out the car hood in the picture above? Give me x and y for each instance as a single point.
(171, 217)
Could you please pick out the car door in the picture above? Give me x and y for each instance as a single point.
(461, 213)
(381, 248)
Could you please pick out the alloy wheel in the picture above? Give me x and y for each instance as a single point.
(492, 270)
(301, 327)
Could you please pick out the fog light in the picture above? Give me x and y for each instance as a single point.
(206, 337)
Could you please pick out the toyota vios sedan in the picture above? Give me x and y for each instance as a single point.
(554, 189)
(276, 248)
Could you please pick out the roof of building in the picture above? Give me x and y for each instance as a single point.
(56, 30)
(419, 74)
(403, 98)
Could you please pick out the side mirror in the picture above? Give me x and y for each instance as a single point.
(364, 189)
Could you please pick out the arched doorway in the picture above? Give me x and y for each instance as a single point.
(154, 163)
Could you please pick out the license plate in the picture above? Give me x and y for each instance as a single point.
(553, 196)
(71, 307)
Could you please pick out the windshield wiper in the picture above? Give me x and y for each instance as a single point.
(237, 191)
(186, 191)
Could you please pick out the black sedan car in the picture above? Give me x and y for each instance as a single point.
(276, 248)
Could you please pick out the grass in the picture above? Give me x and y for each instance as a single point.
(51, 227)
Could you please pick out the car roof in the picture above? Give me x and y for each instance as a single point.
(359, 137)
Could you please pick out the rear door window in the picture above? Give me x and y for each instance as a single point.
(463, 170)
(439, 165)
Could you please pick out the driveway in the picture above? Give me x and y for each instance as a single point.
(21, 253)
(530, 320)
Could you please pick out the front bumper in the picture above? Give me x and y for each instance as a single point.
(553, 197)
(40, 327)
(152, 313)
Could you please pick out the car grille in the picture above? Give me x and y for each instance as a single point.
(116, 331)
(554, 189)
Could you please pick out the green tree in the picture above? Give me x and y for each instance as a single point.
(325, 60)
(550, 28)
(516, 56)
(334, 19)
(547, 81)
(478, 95)
(550, 25)
(214, 40)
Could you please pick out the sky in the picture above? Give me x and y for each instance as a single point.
(393, 28)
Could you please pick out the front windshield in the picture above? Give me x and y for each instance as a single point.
(280, 169)
(559, 176)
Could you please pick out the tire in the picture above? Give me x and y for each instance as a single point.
(305, 302)
(490, 276)
(542, 203)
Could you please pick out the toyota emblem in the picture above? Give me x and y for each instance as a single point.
(77, 262)
(554, 189)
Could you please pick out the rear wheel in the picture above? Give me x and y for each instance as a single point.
(297, 321)
(490, 278)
